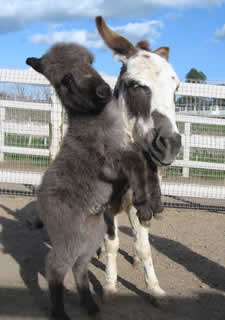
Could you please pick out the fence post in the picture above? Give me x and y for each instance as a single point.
(2, 133)
(56, 125)
(187, 138)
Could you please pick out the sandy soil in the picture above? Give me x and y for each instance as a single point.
(189, 257)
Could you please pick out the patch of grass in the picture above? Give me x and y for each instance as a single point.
(208, 129)
(40, 161)
(26, 141)
(207, 174)
(207, 155)
(173, 171)
(180, 127)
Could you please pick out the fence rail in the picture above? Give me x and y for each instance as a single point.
(51, 132)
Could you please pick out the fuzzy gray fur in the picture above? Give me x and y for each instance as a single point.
(95, 166)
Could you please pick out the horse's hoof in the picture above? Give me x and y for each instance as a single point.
(136, 262)
(158, 297)
(109, 294)
(146, 223)
(158, 216)
(100, 253)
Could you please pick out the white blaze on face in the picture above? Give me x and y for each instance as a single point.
(151, 70)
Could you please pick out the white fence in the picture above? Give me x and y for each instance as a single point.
(184, 184)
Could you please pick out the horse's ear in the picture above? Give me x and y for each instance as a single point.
(114, 41)
(144, 45)
(163, 52)
(35, 63)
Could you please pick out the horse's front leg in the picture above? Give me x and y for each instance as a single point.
(142, 252)
(111, 251)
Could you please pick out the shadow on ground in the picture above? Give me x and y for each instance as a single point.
(18, 303)
(210, 272)
(29, 248)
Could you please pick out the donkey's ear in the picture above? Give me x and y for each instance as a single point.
(114, 41)
(83, 100)
(163, 52)
(35, 63)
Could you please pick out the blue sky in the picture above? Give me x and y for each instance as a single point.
(193, 29)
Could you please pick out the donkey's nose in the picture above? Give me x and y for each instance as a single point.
(103, 91)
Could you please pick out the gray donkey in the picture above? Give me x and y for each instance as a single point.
(94, 168)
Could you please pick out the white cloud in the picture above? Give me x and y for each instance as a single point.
(133, 31)
(88, 39)
(19, 13)
(142, 30)
(220, 34)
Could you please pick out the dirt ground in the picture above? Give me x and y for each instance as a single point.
(189, 258)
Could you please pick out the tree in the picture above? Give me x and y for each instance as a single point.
(196, 75)
(191, 103)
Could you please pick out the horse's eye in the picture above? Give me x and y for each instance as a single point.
(133, 84)
(136, 85)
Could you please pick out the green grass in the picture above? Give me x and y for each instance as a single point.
(196, 154)
(209, 129)
(208, 174)
(173, 171)
(23, 141)
(207, 155)
(40, 161)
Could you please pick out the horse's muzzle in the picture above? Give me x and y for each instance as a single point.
(164, 148)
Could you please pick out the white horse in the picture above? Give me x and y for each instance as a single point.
(146, 86)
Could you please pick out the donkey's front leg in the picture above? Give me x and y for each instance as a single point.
(111, 250)
(142, 249)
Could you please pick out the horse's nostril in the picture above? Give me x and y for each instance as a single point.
(163, 141)
(177, 139)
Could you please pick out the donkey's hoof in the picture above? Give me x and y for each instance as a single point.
(109, 294)
(96, 316)
(93, 309)
(59, 316)
(90, 306)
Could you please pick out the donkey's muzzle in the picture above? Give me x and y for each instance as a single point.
(164, 148)
(104, 93)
